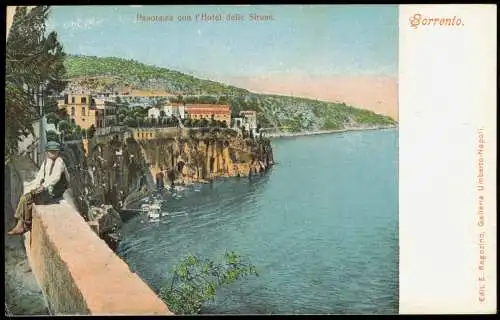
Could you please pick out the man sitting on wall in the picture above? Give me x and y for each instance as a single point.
(49, 185)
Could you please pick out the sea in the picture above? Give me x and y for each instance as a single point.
(321, 227)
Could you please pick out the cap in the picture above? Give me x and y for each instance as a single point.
(53, 146)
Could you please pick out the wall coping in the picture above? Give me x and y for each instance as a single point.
(103, 280)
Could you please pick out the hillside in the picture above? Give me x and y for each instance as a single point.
(298, 114)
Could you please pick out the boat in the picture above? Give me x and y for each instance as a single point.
(153, 215)
(154, 209)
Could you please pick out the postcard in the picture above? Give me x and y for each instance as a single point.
(250, 159)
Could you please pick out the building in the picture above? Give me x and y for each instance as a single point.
(181, 109)
(175, 109)
(238, 122)
(108, 107)
(169, 110)
(209, 111)
(248, 120)
(154, 112)
(250, 117)
(83, 111)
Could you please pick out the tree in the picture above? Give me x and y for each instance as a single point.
(130, 122)
(63, 114)
(91, 131)
(77, 132)
(121, 118)
(50, 105)
(52, 136)
(195, 281)
(53, 117)
(32, 58)
(175, 121)
(65, 127)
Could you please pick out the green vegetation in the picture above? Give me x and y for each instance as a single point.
(32, 59)
(116, 72)
(194, 281)
(288, 113)
(69, 131)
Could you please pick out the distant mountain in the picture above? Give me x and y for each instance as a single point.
(294, 113)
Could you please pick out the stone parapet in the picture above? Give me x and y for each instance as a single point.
(78, 273)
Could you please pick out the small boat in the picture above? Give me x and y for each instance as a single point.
(155, 206)
(154, 209)
(153, 215)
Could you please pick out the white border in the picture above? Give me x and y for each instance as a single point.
(447, 91)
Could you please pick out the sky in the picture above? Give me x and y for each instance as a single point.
(306, 43)
(316, 39)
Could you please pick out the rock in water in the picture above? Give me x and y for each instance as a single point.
(104, 220)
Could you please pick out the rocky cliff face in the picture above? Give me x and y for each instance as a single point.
(118, 170)
(202, 155)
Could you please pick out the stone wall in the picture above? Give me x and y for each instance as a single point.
(78, 273)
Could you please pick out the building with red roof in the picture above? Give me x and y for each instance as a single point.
(220, 112)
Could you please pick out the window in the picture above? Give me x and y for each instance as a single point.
(72, 99)
(83, 111)
(72, 111)
(84, 100)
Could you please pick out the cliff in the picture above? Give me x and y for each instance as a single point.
(114, 171)
(205, 154)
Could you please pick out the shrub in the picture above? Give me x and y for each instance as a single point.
(194, 281)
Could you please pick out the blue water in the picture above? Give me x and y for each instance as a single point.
(321, 227)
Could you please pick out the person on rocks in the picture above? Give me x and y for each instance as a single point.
(49, 185)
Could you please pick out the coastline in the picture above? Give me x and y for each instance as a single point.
(312, 133)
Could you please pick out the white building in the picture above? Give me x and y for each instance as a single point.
(250, 118)
(238, 122)
(174, 110)
(181, 111)
(154, 113)
(169, 110)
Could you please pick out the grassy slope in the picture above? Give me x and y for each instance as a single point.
(296, 113)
